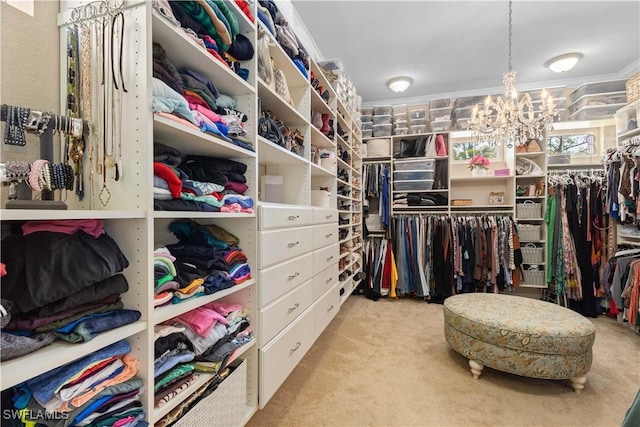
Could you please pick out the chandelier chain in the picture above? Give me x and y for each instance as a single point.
(510, 32)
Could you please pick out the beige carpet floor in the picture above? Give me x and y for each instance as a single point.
(386, 363)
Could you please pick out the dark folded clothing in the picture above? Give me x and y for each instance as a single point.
(183, 205)
(165, 154)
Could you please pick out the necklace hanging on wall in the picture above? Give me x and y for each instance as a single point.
(74, 147)
(105, 195)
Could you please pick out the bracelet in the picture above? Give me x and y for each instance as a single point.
(17, 171)
(34, 175)
(69, 176)
(57, 176)
(45, 177)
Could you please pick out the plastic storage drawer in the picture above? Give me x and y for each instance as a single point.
(412, 175)
(441, 126)
(413, 165)
(367, 125)
(439, 103)
(382, 130)
(416, 185)
(595, 88)
(381, 110)
(382, 120)
(418, 114)
(439, 114)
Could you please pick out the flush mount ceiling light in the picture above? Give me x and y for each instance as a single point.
(399, 84)
(563, 63)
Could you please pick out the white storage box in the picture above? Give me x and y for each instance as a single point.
(439, 103)
(418, 129)
(439, 114)
(329, 163)
(367, 133)
(418, 114)
(399, 109)
(321, 198)
(272, 188)
(366, 125)
(379, 147)
(529, 232)
(400, 131)
(416, 185)
(532, 254)
(529, 209)
(374, 222)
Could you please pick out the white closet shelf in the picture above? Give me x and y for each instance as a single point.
(320, 140)
(531, 155)
(317, 170)
(167, 312)
(382, 159)
(271, 153)
(282, 111)
(200, 381)
(59, 353)
(481, 178)
(488, 207)
(193, 141)
(530, 176)
(184, 52)
(529, 197)
(281, 60)
(577, 165)
(343, 182)
(444, 190)
(42, 214)
(343, 164)
(628, 134)
(207, 215)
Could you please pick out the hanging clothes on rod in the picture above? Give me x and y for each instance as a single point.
(380, 269)
(575, 236)
(438, 256)
(375, 180)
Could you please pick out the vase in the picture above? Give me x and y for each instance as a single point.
(479, 172)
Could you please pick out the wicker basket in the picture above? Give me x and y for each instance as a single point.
(532, 254)
(226, 406)
(529, 232)
(633, 88)
(534, 277)
(529, 209)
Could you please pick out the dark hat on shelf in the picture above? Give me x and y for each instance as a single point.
(241, 49)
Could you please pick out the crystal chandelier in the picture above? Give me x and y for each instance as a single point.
(510, 121)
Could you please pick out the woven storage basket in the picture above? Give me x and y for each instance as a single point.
(532, 254)
(633, 88)
(529, 232)
(534, 277)
(226, 406)
(529, 209)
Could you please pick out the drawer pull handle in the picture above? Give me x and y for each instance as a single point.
(328, 235)
(293, 276)
(330, 258)
(330, 308)
(328, 216)
(292, 244)
(328, 280)
(292, 217)
(290, 309)
(298, 344)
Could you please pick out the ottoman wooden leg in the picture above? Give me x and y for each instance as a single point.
(476, 368)
(578, 383)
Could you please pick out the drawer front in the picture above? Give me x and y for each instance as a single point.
(321, 216)
(283, 353)
(323, 258)
(326, 308)
(324, 280)
(279, 279)
(277, 315)
(281, 245)
(277, 216)
(324, 235)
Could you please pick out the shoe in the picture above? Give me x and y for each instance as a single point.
(316, 120)
(325, 124)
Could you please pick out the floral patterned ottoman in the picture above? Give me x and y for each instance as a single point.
(520, 335)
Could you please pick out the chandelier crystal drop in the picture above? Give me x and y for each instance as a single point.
(511, 121)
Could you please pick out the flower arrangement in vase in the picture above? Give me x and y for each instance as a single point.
(479, 165)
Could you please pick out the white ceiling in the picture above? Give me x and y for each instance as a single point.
(460, 47)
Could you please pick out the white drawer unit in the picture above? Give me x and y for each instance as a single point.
(323, 258)
(322, 215)
(280, 245)
(324, 280)
(326, 308)
(277, 315)
(280, 216)
(279, 279)
(283, 353)
(324, 235)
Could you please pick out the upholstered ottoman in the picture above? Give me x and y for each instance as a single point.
(519, 335)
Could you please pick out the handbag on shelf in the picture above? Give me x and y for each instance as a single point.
(269, 129)
(282, 88)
